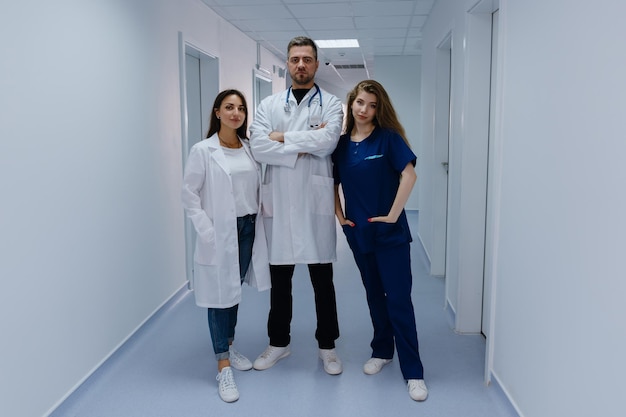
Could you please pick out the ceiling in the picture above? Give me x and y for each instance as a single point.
(382, 27)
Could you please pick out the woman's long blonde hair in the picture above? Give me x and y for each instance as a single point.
(386, 116)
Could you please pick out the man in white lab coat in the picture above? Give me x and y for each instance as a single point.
(294, 133)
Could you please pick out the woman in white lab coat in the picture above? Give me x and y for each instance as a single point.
(221, 196)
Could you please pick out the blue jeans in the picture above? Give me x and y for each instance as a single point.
(222, 321)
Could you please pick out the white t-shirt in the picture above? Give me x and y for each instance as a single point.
(245, 181)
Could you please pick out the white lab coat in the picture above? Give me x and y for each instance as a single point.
(298, 186)
(209, 202)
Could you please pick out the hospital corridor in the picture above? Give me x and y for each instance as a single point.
(168, 369)
(512, 110)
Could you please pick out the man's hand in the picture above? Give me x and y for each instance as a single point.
(277, 136)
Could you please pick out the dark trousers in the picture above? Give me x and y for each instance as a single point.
(387, 278)
(281, 305)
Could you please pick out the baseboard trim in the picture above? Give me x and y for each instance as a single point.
(168, 304)
(497, 385)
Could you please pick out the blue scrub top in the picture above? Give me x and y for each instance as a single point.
(369, 174)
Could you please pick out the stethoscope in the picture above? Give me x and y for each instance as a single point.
(317, 91)
(315, 121)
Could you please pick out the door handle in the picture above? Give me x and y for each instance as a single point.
(445, 166)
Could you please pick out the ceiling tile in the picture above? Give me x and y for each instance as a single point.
(383, 28)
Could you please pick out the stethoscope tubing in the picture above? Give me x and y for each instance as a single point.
(317, 91)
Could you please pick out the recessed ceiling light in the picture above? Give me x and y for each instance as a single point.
(337, 43)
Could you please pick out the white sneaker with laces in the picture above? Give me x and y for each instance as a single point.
(332, 364)
(417, 389)
(270, 356)
(374, 365)
(227, 387)
(238, 361)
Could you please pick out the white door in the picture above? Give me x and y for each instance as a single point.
(442, 137)
(194, 100)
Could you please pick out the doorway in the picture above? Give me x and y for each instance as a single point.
(489, 224)
(493, 196)
(262, 86)
(468, 132)
(199, 84)
(442, 140)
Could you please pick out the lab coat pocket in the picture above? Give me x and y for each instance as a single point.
(323, 195)
(266, 196)
(206, 250)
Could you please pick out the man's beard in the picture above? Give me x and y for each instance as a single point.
(301, 79)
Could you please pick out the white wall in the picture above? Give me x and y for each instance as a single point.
(558, 332)
(560, 272)
(91, 226)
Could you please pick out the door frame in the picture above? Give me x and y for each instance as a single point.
(442, 129)
(483, 14)
(209, 88)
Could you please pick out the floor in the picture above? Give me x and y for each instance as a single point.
(168, 367)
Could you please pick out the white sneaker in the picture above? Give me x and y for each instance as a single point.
(417, 389)
(227, 387)
(332, 364)
(238, 361)
(270, 356)
(374, 365)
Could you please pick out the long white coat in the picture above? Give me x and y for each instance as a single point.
(209, 202)
(298, 186)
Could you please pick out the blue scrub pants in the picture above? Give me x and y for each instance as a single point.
(386, 275)
(222, 321)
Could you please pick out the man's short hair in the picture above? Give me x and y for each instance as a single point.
(302, 41)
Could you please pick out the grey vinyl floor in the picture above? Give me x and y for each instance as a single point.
(168, 368)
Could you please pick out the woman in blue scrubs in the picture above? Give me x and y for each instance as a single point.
(375, 167)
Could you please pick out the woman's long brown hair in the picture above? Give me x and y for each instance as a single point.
(386, 116)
